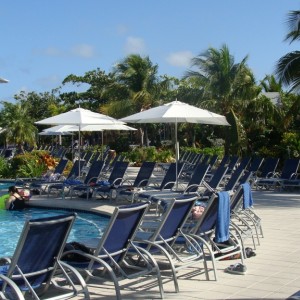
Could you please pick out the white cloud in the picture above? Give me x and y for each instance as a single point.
(180, 59)
(122, 29)
(134, 45)
(52, 51)
(83, 50)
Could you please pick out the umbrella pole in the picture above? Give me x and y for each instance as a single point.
(176, 154)
(102, 144)
(79, 157)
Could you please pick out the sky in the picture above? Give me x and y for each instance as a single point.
(42, 42)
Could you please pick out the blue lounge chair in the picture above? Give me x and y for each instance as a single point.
(214, 228)
(41, 184)
(267, 170)
(110, 251)
(36, 264)
(62, 186)
(288, 172)
(243, 217)
(192, 187)
(168, 182)
(127, 190)
(106, 188)
(90, 180)
(160, 236)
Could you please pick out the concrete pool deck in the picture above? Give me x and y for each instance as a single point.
(274, 273)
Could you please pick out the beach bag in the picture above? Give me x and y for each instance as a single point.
(73, 257)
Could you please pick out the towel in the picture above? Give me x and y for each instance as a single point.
(72, 182)
(248, 200)
(223, 218)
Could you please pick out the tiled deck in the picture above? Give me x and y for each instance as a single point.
(274, 273)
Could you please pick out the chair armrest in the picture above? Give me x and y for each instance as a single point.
(13, 286)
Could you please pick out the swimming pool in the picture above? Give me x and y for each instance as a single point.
(4, 185)
(87, 225)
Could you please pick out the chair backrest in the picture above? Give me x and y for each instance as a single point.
(88, 156)
(255, 164)
(61, 166)
(236, 198)
(144, 174)
(290, 167)
(205, 159)
(269, 167)
(171, 176)
(39, 247)
(197, 177)
(176, 213)
(121, 229)
(232, 163)
(213, 160)
(94, 172)
(234, 178)
(74, 172)
(118, 171)
(244, 162)
(208, 220)
(224, 161)
(217, 177)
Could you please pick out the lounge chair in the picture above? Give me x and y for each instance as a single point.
(127, 188)
(214, 228)
(90, 180)
(169, 181)
(267, 170)
(40, 184)
(110, 252)
(253, 168)
(193, 186)
(106, 188)
(159, 237)
(36, 266)
(64, 184)
(243, 217)
(289, 171)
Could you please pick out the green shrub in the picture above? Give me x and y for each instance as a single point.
(140, 154)
(5, 168)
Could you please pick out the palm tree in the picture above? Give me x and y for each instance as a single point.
(139, 76)
(270, 84)
(226, 86)
(288, 66)
(15, 118)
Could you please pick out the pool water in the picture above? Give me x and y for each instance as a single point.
(87, 225)
(5, 185)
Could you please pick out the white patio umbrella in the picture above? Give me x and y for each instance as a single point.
(80, 117)
(176, 112)
(102, 128)
(2, 80)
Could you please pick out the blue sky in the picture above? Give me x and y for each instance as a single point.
(44, 41)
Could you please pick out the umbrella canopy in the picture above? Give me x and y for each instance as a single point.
(79, 117)
(2, 80)
(176, 112)
(55, 133)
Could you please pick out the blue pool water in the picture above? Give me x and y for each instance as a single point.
(87, 225)
(5, 185)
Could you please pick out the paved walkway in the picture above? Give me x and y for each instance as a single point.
(274, 273)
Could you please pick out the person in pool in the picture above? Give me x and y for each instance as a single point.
(15, 200)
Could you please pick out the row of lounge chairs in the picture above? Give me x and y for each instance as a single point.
(131, 247)
(138, 241)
